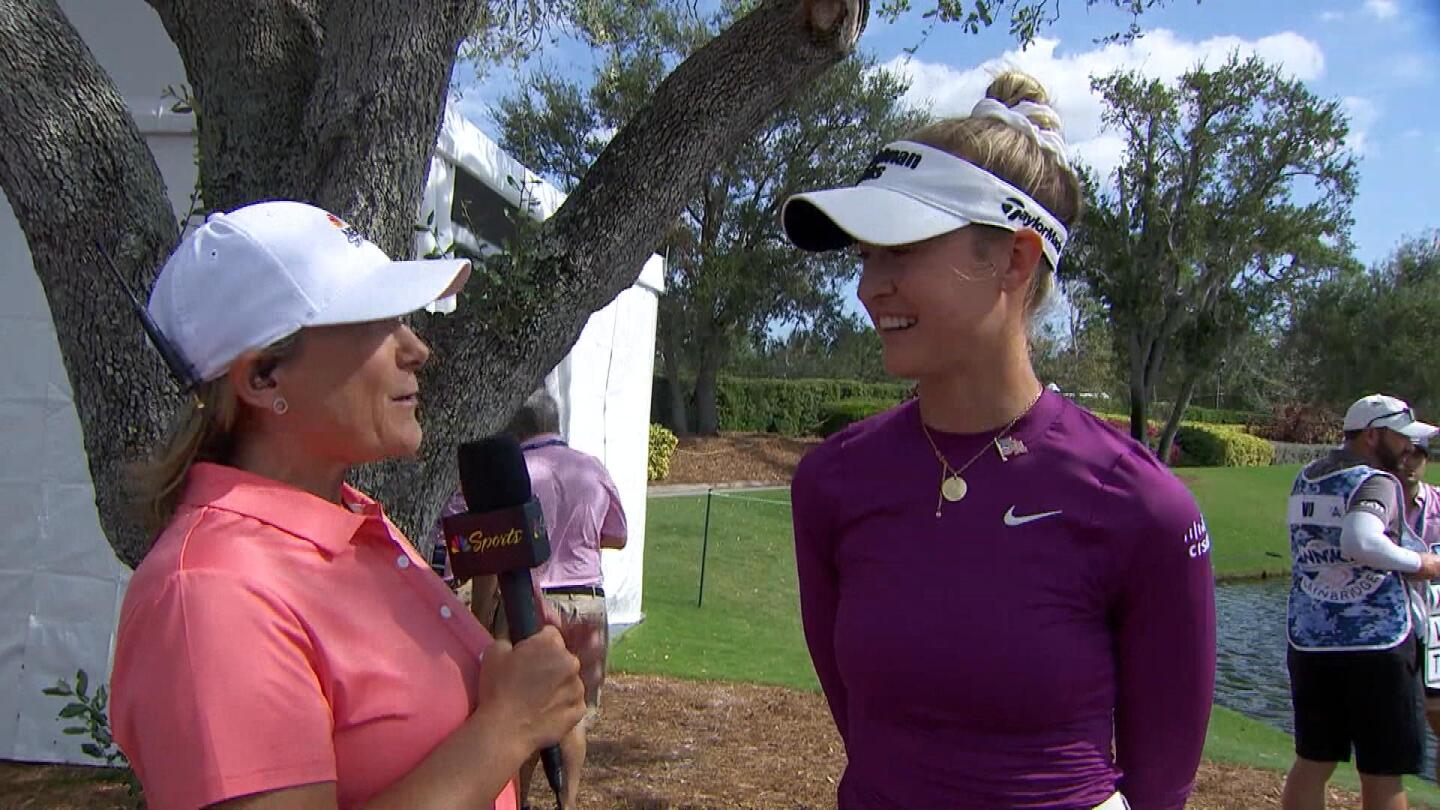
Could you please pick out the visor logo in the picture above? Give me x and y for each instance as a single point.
(1014, 210)
(895, 157)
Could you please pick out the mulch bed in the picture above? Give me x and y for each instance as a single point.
(667, 744)
(730, 457)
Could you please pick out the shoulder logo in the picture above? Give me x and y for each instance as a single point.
(1012, 519)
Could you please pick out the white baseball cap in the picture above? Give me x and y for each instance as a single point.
(912, 192)
(250, 277)
(1381, 411)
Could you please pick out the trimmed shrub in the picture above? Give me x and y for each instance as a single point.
(662, 448)
(790, 407)
(1219, 416)
(1222, 446)
(838, 415)
(762, 405)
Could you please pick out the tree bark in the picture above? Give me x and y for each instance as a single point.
(670, 350)
(707, 377)
(303, 99)
(1177, 413)
(77, 172)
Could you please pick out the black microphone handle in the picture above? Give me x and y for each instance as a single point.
(519, 597)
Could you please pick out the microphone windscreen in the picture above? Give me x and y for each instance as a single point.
(493, 474)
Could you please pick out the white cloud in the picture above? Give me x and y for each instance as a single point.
(1331, 16)
(1411, 133)
(948, 91)
(1363, 113)
(1382, 9)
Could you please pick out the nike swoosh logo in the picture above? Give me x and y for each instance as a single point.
(1011, 519)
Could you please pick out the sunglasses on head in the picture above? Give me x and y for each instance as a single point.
(1401, 412)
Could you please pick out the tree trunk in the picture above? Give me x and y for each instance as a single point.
(306, 99)
(670, 349)
(1177, 412)
(77, 173)
(1139, 399)
(707, 414)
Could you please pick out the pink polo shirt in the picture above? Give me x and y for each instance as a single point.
(273, 639)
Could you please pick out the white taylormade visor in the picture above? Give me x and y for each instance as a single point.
(912, 192)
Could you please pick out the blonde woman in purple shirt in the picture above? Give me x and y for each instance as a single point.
(1008, 603)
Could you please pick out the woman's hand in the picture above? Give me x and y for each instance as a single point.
(534, 688)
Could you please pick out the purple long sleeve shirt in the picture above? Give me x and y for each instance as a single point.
(1048, 640)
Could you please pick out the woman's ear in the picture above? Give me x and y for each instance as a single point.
(251, 380)
(1026, 252)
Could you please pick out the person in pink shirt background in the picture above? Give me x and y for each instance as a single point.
(583, 515)
(282, 645)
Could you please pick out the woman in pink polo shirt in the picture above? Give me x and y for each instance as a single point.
(282, 645)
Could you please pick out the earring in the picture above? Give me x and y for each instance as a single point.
(280, 406)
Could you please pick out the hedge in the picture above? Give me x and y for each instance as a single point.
(1205, 445)
(788, 407)
(838, 415)
(662, 448)
(1218, 416)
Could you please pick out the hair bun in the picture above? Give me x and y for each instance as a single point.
(1013, 88)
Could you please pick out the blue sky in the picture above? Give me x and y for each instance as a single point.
(1378, 56)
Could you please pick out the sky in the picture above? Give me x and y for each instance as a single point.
(1378, 57)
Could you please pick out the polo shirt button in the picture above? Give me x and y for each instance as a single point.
(445, 611)
(403, 561)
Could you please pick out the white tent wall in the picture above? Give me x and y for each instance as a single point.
(60, 583)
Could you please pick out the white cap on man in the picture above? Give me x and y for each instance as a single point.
(1381, 411)
(250, 277)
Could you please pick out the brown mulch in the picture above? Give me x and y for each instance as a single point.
(666, 744)
(736, 457)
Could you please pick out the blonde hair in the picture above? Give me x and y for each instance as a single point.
(206, 429)
(1016, 158)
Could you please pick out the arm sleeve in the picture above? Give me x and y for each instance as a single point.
(614, 524)
(1363, 539)
(1165, 646)
(819, 581)
(216, 694)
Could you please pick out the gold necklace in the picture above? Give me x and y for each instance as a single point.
(952, 486)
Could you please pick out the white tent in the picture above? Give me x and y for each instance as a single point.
(60, 583)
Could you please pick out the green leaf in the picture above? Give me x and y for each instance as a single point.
(57, 691)
(75, 730)
(74, 710)
(93, 750)
(82, 682)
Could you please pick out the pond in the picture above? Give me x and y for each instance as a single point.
(1250, 675)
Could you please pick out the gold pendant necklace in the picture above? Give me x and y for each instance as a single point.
(953, 486)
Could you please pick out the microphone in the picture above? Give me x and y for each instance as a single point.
(503, 533)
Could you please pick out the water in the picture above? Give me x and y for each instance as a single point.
(1250, 675)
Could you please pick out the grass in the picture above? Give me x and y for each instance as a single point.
(748, 628)
(1236, 739)
(1244, 508)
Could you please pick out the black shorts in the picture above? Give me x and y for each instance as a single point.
(1371, 701)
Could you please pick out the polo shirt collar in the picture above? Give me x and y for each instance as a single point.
(330, 526)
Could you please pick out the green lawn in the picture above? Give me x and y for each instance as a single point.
(1244, 508)
(749, 626)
